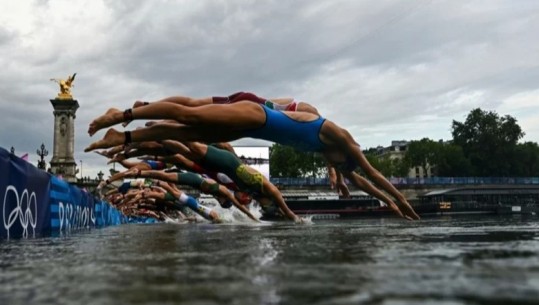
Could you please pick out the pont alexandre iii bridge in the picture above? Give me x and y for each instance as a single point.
(412, 188)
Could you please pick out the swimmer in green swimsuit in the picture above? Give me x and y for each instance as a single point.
(246, 178)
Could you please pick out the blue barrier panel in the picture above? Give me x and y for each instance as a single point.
(106, 215)
(71, 208)
(34, 203)
(25, 198)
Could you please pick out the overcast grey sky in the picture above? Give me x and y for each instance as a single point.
(385, 70)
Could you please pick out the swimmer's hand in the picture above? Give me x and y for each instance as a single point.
(305, 220)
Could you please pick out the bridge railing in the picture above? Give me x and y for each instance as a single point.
(299, 181)
(419, 181)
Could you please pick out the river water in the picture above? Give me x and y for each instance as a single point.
(439, 260)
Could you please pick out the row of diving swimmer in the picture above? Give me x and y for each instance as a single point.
(178, 136)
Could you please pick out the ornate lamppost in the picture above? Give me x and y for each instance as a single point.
(42, 153)
(100, 175)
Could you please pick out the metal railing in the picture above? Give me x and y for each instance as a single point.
(419, 181)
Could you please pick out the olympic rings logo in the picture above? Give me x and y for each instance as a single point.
(25, 211)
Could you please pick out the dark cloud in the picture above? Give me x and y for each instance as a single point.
(383, 69)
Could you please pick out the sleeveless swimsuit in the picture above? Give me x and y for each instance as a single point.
(219, 160)
(282, 129)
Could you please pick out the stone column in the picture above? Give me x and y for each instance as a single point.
(63, 162)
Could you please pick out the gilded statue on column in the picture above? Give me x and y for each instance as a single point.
(65, 87)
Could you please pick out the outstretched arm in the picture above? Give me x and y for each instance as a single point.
(332, 175)
(152, 194)
(345, 143)
(342, 188)
(138, 152)
(366, 186)
(382, 182)
(155, 174)
(121, 158)
(273, 192)
(131, 172)
(178, 147)
(169, 188)
(225, 146)
(223, 191)
(111, 152)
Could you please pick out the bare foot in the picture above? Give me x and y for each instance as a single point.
(111, 117)
(111, 138)
(116, 149)
(129, 147)
(117, 158)
(135, 105)
(133, 172)
(103, 153)
(150, 123)
(139, 104)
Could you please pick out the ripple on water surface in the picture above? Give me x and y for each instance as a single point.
(459, 260)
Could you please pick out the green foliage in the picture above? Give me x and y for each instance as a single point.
(387, 166)
(484, 145)
(488, 141)
(451, 162)
(443, 159)
(401, 169)
(526, 161)
(285, 161)
(422, 153)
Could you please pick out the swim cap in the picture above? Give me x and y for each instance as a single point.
(243, 198)
(226, 204)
